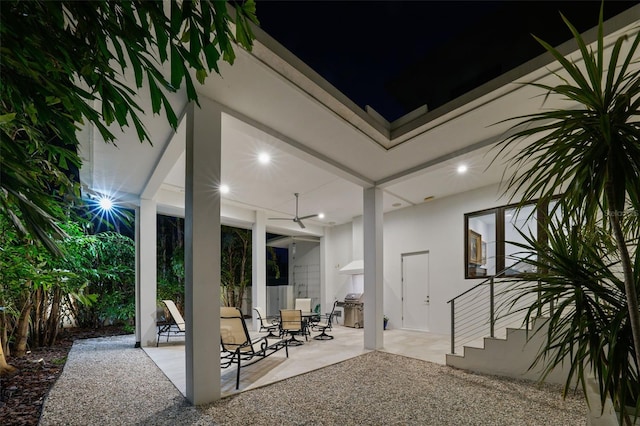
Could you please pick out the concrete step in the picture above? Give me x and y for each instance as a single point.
(511, 356)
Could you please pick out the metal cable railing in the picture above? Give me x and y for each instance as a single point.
(481, 310)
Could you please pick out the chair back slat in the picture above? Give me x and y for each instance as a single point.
(291, 319)
(303, 304)
(175, 314)
(233, 330)
(262, 317)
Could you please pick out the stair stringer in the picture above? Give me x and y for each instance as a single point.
(510, 357)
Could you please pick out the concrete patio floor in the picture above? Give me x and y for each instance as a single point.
(312, 355)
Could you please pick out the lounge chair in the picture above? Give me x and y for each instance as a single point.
(267, 324)
(325, 324)
(237, 346)
(173, 326)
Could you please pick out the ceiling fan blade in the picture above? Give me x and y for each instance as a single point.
(301, 224)
(308, 216)
(280, 218)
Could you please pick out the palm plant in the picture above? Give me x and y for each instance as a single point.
(588, 155)
(576, 272)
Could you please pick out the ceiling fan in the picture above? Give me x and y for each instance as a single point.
(296, 218)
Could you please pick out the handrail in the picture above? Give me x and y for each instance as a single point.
(487, 281)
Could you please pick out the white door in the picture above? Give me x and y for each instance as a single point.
(415, 291)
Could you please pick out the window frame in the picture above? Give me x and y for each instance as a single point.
(541, 214)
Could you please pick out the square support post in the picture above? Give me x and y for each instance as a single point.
(373, 270)
(146, 279)
(259, 265)
(202, 252)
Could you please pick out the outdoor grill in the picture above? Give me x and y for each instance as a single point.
(353, 310)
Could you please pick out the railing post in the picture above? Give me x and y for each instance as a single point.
(491, 309)
(453, 327)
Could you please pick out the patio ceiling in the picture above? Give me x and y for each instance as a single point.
(321, 145)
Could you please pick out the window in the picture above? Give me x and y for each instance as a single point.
(481, 244)
(486, 234)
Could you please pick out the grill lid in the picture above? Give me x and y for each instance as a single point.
(353, 298)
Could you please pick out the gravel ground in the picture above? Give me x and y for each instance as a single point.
(106, 381)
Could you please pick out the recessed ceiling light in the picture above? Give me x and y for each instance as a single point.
(396, 204)
(321, 215)
(264, 158)
(462, 168)
(224, 189)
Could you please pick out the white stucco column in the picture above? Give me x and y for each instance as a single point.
(202, 252)
(146, 286)
(373, 271)
(258, 265)
(326, 303)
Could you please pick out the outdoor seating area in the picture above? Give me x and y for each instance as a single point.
(310, 355)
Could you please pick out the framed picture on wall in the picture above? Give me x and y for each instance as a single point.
(475, 248)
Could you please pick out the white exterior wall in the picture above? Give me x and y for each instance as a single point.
(305, 272)
(437, 226)
(339, 253)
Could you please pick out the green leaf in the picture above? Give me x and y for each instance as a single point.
(156, 94)
(177, 68)
(201, 76)
(171, 115)
(213, 56)
(7, 118)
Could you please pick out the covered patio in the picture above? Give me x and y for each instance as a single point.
(387, 190)
(312, 355)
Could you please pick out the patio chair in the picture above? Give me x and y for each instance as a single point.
(237, 346)
(308, 321)
(267, 324)
(173, 326)
(291, 323)
(325, 324)
(303, 304)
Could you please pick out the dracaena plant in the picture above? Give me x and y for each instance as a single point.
(588, 155)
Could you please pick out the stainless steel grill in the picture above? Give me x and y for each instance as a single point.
(353, 310)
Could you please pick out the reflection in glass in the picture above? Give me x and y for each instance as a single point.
(516, 223)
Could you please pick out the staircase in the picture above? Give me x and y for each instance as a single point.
(489, 331)
(510, 357)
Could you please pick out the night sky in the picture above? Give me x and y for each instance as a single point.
(399, 55)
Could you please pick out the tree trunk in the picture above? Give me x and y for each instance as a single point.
(53, 322)
(38, 305)
(629, 285)
(22, 328)
(4, 367)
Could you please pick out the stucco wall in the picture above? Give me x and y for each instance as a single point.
(436, 226)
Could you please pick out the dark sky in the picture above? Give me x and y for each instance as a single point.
(398, 55)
